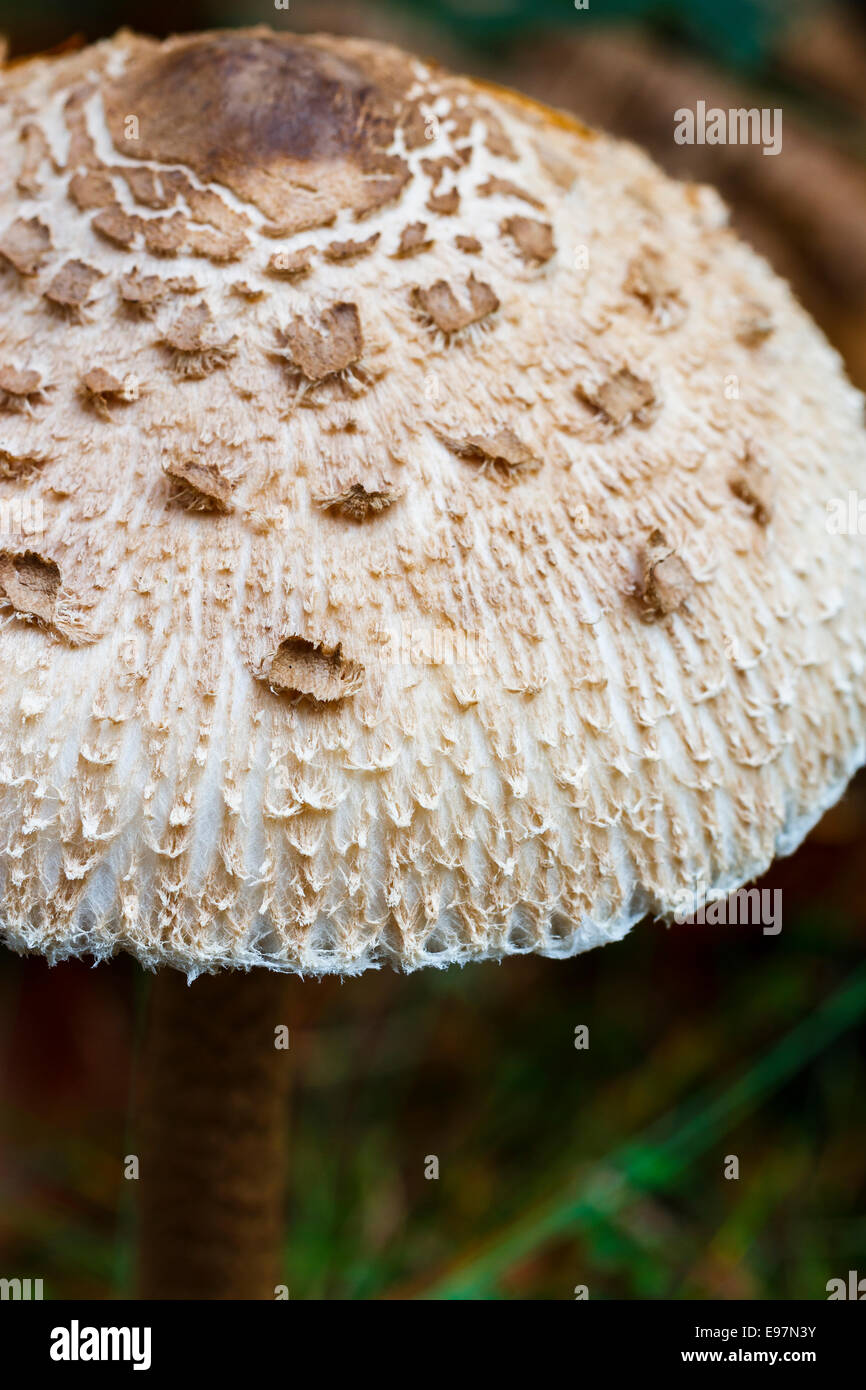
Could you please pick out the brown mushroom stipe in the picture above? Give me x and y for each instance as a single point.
(212, 1132)
(602, 656)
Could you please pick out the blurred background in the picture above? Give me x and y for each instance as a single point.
(558, 1167)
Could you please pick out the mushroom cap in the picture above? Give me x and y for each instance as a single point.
(420, 520)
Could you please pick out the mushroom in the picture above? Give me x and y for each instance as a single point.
(602, 650)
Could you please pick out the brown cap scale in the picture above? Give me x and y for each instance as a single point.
(454, 569)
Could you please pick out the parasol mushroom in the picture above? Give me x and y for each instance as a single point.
(454, 583)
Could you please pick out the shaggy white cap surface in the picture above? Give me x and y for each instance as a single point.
(416, 520)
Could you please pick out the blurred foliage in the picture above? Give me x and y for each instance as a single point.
(737, 32)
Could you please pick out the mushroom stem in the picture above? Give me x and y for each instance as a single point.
(212, 1135)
